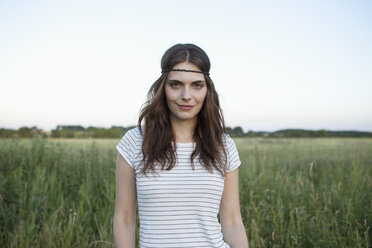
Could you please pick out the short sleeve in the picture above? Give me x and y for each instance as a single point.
(233, 159)
(126, 147)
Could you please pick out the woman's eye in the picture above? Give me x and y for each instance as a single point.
(198, 85)
(174, 85)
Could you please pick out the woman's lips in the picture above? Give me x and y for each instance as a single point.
(185, 107)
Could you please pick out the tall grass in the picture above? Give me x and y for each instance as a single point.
(56, 195)
(307, 192)
(293, 192)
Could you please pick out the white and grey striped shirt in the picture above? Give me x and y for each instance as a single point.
(178, 208)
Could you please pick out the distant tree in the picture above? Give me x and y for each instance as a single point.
(251, 134)
(55, 133)
(80, 134)
(7, 133)
(116, 132)
(77, 131)
(235, 132)
(238, 131)
(24, 132)
(66, 133)
(321, 133)
(230, 131)
(100, 133)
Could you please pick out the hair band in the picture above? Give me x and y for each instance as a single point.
(168, 70)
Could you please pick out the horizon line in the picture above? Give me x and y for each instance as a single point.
(248, 130)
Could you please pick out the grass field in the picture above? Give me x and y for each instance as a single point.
(293, 192)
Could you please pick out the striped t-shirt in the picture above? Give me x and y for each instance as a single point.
(178, 208)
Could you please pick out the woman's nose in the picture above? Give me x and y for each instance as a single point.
(186, 96)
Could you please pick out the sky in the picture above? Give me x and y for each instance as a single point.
(275, 64)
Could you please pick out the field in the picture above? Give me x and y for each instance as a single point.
(293, 192)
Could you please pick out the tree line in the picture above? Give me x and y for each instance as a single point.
(77, 131)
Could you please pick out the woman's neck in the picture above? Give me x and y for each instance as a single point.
(183, 130)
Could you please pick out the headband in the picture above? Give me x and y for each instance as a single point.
(168, 70)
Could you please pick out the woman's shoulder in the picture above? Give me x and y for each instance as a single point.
(226, 139)
(134, 135)
(135, 131)
(228, 143)
(130, 146)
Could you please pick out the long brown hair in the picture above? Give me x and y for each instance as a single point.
(158, 140)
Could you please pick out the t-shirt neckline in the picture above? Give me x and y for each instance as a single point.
(187, 144)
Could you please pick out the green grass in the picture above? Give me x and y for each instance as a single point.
(293, 192)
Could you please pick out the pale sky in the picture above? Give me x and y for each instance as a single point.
(275, 64)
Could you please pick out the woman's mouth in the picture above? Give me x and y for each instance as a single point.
(185, 107)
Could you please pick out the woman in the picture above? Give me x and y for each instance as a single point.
(180, 166)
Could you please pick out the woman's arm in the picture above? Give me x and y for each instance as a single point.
(125, 207)
(231, 221)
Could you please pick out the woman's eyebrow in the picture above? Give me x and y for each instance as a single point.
(178, 81)
(175, 81)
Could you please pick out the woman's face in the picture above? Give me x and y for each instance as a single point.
(185, 92)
